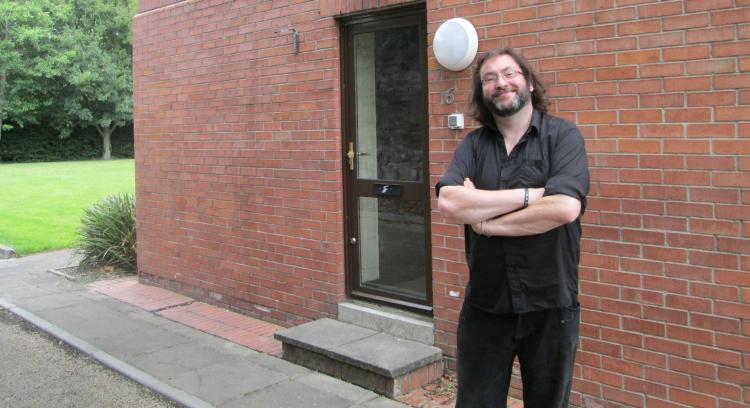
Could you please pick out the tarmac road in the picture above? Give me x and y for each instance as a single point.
(38, 371)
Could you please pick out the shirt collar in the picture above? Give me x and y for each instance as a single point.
(536, 124)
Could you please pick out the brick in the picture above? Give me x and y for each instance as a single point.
(662, 70)
(556, 36)
(730, 81)
(692, 6)
(615, 102)
(661, 40)
(689, 177)
(734, 376)
(716, 130)
(641, 86)
(732, 278)
(732, 113)
(599, 88)
(714, 66)
(737, 310)
(641, 116)
(660, 10)
(576, 20)
(733, 245)
(714, 227)
(638, 57)
(712, 291)
(667, 347)
(686, 21)
(732, 49)
(687, 146)
(630, 399)
(602, 376)
(732, 212)
(692, 367)
(717, 260)
(710, 35)
(691, 52)
(529, 13)
(619, 14)
(687, 84)
(597, 117)
(731, 146)
(617, 44)
(712, 98)
(714, 355)
(575, 76)
(689, 115)
(660, 376)
(674, 224)
(639, 27)
(647, 388)
(692, 398)
(606, 74)
(732, 342)
(662, 100)
(594, 32)
(732, 179)
(735, 16)
(600, 347)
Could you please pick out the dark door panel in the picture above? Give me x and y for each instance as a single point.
(385, 153)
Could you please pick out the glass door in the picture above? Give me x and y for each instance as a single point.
(385, 152)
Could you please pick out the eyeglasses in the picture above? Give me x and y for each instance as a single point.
(508, 74)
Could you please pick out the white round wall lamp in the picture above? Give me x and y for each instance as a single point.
(455, 44)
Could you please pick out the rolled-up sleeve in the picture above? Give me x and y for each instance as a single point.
(461, 166)
(569, 170)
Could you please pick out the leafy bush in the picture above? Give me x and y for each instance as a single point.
(107, 233)
(35, 143)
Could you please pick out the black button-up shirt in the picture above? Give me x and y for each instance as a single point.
(535, 272)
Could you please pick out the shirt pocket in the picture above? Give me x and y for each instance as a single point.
(532, 173)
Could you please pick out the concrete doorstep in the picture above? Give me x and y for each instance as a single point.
(377, 361)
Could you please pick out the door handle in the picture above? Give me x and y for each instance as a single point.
(350, 155)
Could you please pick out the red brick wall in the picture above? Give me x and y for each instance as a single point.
(239, 184)
(237, 155)
(661, 91)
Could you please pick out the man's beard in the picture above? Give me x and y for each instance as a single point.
(499, 108)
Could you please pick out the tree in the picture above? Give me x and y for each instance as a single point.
(29, 59)
(96, 89)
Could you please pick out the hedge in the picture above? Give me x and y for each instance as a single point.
(41, 144)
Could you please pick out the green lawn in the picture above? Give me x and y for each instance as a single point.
(41, 203)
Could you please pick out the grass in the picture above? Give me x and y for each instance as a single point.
(41, 204)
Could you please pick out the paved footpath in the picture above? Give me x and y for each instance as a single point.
(191, 352)
(162, 340)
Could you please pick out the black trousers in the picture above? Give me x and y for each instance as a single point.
(545, 343)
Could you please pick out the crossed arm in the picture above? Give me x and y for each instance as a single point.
(501, 212)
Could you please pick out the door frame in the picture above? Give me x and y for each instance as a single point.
(392, 17)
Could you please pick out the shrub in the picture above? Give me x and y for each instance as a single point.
(107, 233)
(36, 143)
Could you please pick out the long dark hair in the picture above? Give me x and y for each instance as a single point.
(479, 111)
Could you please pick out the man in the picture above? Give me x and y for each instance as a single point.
(519, 183)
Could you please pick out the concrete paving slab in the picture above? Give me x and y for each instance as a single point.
(129, 341)
(282, 366)
(165, 362)
(338, 387)
(290, 394)
(219, 383)
(382, 402)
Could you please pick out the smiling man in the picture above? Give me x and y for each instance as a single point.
(519, 185)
